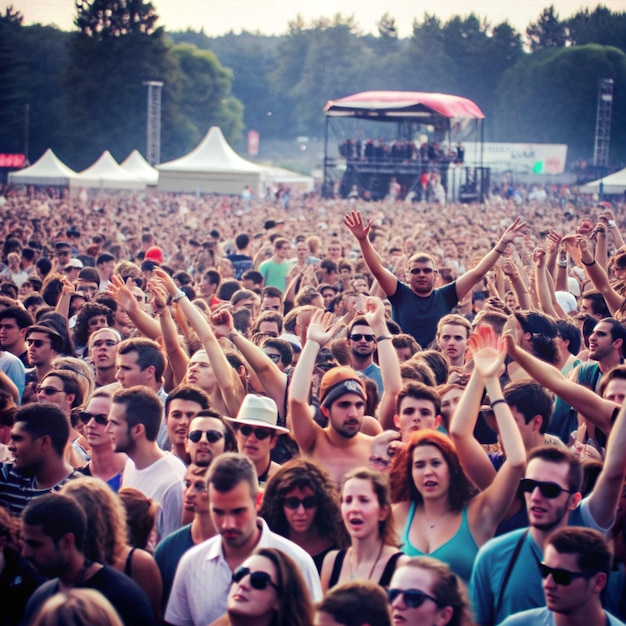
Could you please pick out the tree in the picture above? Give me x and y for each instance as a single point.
(101, 19)
(547, 32)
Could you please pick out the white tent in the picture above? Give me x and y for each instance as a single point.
(48, 170)
(293, 180)
(612, 184)
(106, 173)
(211, 167)
(139, 168)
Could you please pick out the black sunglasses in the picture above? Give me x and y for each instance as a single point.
(37, 342)
(48, 391)
(309, 502)
(548, 490)
(212, 436)
(413, 598)
(259, 433)
(258, 580)
(561, 576)
(101, 418)
(421, 270)
(359, 336)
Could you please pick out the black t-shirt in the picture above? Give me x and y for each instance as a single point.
(122, 592)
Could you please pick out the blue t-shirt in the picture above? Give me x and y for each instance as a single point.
(417, 315)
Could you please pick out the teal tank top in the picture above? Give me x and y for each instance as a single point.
(458, 552)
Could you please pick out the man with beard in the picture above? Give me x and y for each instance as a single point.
(340, 446)
(209, 436)
(38, 438)
(504, 579)
(102, 352)
(362, 345)
(418, 305)
(233, 490)
(133, 425)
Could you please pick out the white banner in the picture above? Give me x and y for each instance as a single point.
(537, 158)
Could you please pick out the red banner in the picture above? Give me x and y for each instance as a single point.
(12, 160)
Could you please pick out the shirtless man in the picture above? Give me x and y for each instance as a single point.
(340, 446)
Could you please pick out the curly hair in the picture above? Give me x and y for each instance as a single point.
(461, 489)
(107, 534)
(300, 473)
(85, 313)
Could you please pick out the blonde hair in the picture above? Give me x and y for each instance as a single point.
(77, 607)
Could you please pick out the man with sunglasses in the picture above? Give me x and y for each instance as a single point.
(205, 572)
(418, 305)
(44, 345)
(504, 578)
(362, 345)
(257, 432)
(575, 571)
(209, 436)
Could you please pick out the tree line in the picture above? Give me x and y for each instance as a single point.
(83, 91)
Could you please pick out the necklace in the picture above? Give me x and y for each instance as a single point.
(369, 576)
(431, 525)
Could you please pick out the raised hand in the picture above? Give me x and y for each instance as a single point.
(321, 328)
(222, 323)
(487, 351)
(354, 221)
(121, 292)
(511, 232)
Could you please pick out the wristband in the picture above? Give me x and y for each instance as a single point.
(611, 223)
(498, 401)
(232, 334)
(382, 338)
(499, 251)
(179, 294)
(562, 263)
(588, 264)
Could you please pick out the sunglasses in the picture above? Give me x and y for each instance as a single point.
(37, 342)
(258, 580)
(309, 502)
(48, 391)
(259, 433)
(101, 418)
(561, 576)
(421, 270)
(359, 336)
(413, 598)
(548, 490)
(212, 436)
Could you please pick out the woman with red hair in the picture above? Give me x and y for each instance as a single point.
(438, 511)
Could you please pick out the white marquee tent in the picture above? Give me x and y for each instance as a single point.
(106, 173)
(211, 167)
(139, 168)
(48, 170)
(612, 184)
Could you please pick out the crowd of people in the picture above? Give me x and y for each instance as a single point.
(219, 410)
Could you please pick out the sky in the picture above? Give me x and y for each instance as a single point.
(271, 17)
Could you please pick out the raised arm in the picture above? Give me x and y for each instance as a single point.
(585, 401)
(300, 415)
(542, 284)
(387, 359)
(274, 381)
(473, 457)
(519, 286)
(465, 282)
(598, 276)
(493, 503)
(124, 297)
(387, 281)
(227, 379)
(609, 217)
(608, 488)
(176, 356)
